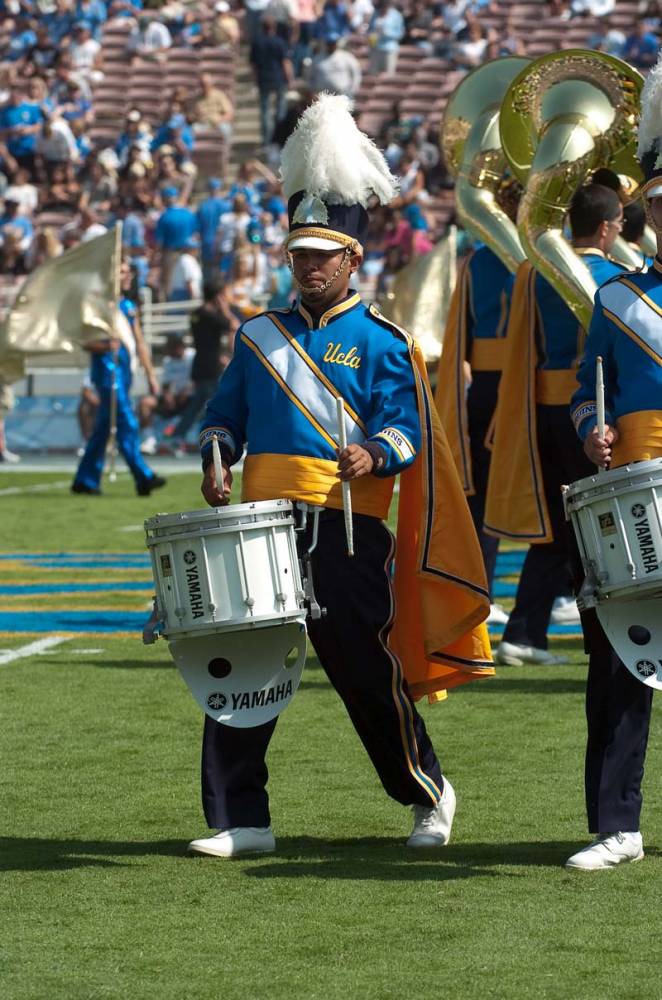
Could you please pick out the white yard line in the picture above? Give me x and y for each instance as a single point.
(38, 488)
(32, 648)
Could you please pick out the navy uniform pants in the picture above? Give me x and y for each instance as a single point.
(90, 470)
(547, 572)
(481, 404)
(351, 645)
(618, 710)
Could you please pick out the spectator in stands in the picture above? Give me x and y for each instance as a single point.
(592, 8)
(641, 47)
(453, 15)
(420, 238)
(136, 134)
(133, 239)
(253, 180)
(273, 73)
(254, 12)
(223, 30)
(387, 28)
(149, 40)
(16, 231)
(360, 15)
(211, 108)
(396, 132)
(60, 22)
(125, 8)
(175, 132)
(303, 34)
(169, 174)
(22, 39)
(208, 215)
(63, 191)
(20, 124)
(333, 21)
(284, 13)
(76, 105)
(280, 279)
(213, 325)
(336, 70)
(174, 228)
(94, 13)
(55, 146)
(607, 38)
(411, 178)
(83, 141)
(60, 91)
(175, 390)
(88, 225)
(418, 26)
(651, 11)
(470, 52)
(244, 286)
(86, 54)
(99, 186)
(45, 246)
(232, 225)
(186, 277)
(37, 93)
(23, 193)
(43, 53)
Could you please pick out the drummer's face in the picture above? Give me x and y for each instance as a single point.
(322, 276)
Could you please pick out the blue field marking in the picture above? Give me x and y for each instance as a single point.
(72, 621)
(36, 589)
(82, 560)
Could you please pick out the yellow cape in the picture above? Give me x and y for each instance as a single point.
(516, 507)
(450, 395)
(441, 595)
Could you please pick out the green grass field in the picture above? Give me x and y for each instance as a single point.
(99, 745)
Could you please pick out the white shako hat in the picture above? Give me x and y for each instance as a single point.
(330, 171)
(649, 147)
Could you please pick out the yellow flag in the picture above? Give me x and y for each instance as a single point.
(420, 296)
(64, 304)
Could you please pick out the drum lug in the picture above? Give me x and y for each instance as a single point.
(588, 592)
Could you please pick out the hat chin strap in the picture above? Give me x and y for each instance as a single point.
(320, 289)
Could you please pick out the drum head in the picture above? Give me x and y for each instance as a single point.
(243, 678)
(634, 628)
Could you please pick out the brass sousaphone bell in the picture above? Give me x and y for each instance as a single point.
(565, 115)
(471, 144)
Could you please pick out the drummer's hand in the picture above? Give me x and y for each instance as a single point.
(599, 449)
(210, 491)
(354, 462)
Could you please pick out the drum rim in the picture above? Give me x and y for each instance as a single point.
(231, 510)
(611, 476)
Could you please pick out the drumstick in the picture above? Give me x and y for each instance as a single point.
(346, 491)
(600, 400)
(218, 468)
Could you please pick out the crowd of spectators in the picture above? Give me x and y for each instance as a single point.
(60, 186)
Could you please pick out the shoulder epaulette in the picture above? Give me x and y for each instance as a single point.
(389, 324)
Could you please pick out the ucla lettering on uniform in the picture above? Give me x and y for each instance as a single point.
(334, 356)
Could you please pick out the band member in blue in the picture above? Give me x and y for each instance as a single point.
(278, 398)
(626, 331)
(112, 366)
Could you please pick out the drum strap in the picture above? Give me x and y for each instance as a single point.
(300, 378)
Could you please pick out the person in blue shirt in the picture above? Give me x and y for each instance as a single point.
(388, 26)
(22, 40)
(95, 13)
(60, 22)
(334, 20)
(111, 365)
(20, 123)
(208, 214)
(641, 47)
(596, 216)
(175, 132)
(174, 228)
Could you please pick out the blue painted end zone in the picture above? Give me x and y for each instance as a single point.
(73, 621)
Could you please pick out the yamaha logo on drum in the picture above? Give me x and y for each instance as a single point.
(645, 667)
(642, 528)
(216, 701)
(193, 584)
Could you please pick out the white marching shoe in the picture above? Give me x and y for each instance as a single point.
(565, 611)
(432, 825)
(512, 654)
(607, 851)
(235, 841)
(497, 615)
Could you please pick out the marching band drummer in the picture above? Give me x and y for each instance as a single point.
(626, 331)
(279, 396)
(535, 448)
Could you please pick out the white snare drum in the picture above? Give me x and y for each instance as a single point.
(225, 568)
(617, 518)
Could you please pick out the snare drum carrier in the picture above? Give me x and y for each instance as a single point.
(231, 603)
(617, 519)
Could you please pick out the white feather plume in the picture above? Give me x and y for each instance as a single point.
(327, 156)
(650, 124)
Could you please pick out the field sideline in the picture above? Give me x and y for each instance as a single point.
(100, 792)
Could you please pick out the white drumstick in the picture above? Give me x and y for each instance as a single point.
(346, 491)
(218, 468)
(600, 400)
